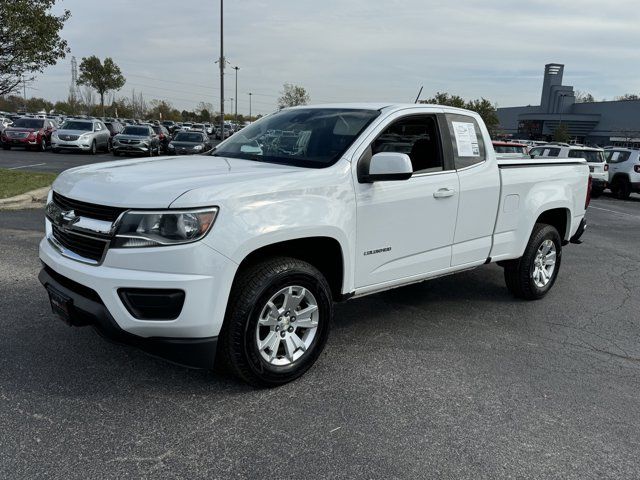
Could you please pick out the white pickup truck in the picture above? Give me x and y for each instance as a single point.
(238, 256)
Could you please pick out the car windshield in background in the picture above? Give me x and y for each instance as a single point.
(81, 126)
(28, 123)
(508, 149)
(304, 137)
(590, 155)
(188, 137)
(136, 131)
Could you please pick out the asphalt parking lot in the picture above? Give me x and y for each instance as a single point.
(451, 378)
(20, 159)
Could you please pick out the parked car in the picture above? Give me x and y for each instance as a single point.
(594, 156)
(186, 126)
(81, 135)
(226, 133)
(163, 135)
(136, 139)
(241, 254)
(624, 171)
(4, 123)
(30, 133)
(208, 128)
(189, 143)
(510, 150)
(198, 127)
(114, 128)
(169, 125)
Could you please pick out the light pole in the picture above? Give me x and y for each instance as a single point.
(230, 104)
(236, 114)
(250, 94)
(221, 61)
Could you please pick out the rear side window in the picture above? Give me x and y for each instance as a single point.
(592, 156)
(616, 157)
(466, 140)
(545, 152)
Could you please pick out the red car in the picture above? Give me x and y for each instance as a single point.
(30, 133)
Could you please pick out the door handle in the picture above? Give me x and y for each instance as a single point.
(444, 193)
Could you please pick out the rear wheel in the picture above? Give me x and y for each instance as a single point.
(532, 276)
(277, 322)
(621, 188)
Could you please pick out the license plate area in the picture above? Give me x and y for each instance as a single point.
(61, 304)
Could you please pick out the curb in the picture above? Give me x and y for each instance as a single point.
(33, 199)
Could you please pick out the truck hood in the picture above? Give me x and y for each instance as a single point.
(157, 182)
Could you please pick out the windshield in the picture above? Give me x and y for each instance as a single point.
(82, 126)
(188, 137)
(304, 137)
(28, 123)
(593, 156)
(136, 131)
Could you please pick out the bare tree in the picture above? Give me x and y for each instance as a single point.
(293, 95)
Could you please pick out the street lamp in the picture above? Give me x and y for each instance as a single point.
(231, 104)
(221, 61)
(250, 94)
(236, 114)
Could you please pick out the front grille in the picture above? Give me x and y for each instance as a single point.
(17, 134)
(129, 142)
(90, 248)
(69, 137)
(90, 210)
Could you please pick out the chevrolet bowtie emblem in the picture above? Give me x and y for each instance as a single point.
(68, 218)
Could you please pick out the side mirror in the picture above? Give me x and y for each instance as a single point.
(386, 166)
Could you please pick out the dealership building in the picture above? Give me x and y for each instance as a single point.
(595, 123)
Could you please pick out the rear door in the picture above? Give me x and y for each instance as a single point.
(405, 228)
(479, 181)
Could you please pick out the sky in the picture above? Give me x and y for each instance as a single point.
(353, 50)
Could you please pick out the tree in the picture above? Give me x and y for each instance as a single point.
(293, 95)
(583, 97)
(628, 96)
(102, 77)
(561, 134)
(29, 40)
(483, 107)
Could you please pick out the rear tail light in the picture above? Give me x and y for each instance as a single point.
(588, 200)
(606, 167)
(636, 168)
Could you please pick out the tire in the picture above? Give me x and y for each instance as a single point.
(43, 145)
(6, 147)
(252, 289)
(150, 151)
(596, 192)
(519, 274)
(94, 148)
(55, 150)
(621, 189)
(115, 154)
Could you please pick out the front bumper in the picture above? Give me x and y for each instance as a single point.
(20, 142)
(88, 309)
(204, 275)
(118, 148)
(58, 144)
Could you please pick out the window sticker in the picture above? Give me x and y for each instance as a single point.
(466, 139)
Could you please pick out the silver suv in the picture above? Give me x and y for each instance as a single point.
(594, 156)
(624, 171)
(84, 135)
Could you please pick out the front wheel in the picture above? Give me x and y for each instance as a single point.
(94, 148)
(532, 276)
(277, 321)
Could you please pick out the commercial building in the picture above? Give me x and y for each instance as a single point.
(594, 123)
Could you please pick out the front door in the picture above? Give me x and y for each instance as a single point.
(406, 228)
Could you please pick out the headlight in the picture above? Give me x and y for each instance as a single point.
(155, 229)
(171, 146)
(197, 147)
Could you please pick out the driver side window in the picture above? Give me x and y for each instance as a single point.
(416, 136)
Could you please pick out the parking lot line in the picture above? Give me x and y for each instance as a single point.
(27, 166)
(614, 211)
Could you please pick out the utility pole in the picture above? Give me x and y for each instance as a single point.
(236, 114)
(250, 94)
(24, 93)
(221, 61)
(230, 104)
